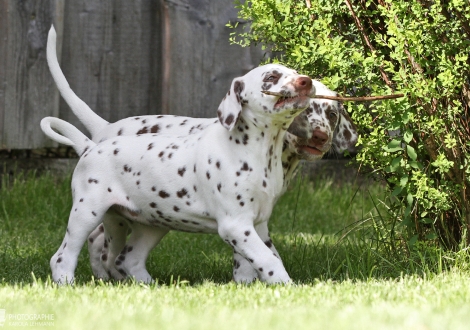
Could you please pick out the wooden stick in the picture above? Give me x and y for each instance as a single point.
(345, 99)
(360, 98)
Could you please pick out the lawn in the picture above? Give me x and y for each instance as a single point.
(353, 281)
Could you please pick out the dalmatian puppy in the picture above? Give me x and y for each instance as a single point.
(322, 118)
(224, 179)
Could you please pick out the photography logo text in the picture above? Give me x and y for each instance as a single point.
(26, 319)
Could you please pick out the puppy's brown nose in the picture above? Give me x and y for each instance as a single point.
(319, 138)
(303, 84)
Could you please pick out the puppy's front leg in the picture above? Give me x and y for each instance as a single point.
(243, 271)
(245, 241)
(263, 232)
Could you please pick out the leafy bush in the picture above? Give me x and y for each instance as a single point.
(420, 143)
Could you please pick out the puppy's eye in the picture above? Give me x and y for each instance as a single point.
(272, 77)
(333, 115)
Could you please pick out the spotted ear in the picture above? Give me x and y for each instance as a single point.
(231, 106)
(301, 127)
(345, 135)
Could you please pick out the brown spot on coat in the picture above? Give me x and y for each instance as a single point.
(229, 119)
(181, 171)
(143, 130)
(181, 193)
(155, 129)
(163, 194)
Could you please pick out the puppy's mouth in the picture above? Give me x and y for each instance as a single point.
(312, 150)
(287, 100)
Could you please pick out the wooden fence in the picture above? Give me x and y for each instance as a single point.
(123, 58)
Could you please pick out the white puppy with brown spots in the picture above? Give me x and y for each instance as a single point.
(184, 183)
(320, 117)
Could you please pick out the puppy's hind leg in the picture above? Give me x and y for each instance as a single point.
(114, 228)
(133, 256)
(96, 248)
(115, 235)
(83, 219)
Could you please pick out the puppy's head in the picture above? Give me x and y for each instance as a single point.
(289, 95)
(323, 125)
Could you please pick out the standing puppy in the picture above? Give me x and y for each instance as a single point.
(108, 250)
(222, 180)
(314, 131)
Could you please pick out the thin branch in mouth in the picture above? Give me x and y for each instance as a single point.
(272, 93)
(283, 96)
(344, 99)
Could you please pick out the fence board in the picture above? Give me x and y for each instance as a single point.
(123, 58)
(199, 59)
(109, 56)
(27, 92)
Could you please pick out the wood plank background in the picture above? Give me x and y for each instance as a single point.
(123, 58)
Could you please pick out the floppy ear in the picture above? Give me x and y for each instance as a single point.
(301, 127)
(231, 106)
(345, 135)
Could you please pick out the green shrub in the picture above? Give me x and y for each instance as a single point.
(420, 143)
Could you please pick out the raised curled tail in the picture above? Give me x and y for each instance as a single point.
(90, 119)
(69, 134)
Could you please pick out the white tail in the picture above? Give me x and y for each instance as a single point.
(69, 134)
(90, 119)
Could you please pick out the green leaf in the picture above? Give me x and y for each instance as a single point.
(397, 191)
(426, 220)
(431, 236)
(413, 240)
(409, 199)
(416, 165)
(408, 212)
(394, 165)
(403, 181)
(408, 136)
(411, 152)
(393, 146)
(406, 118)
(406, 221)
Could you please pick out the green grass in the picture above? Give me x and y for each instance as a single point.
(354, 281)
